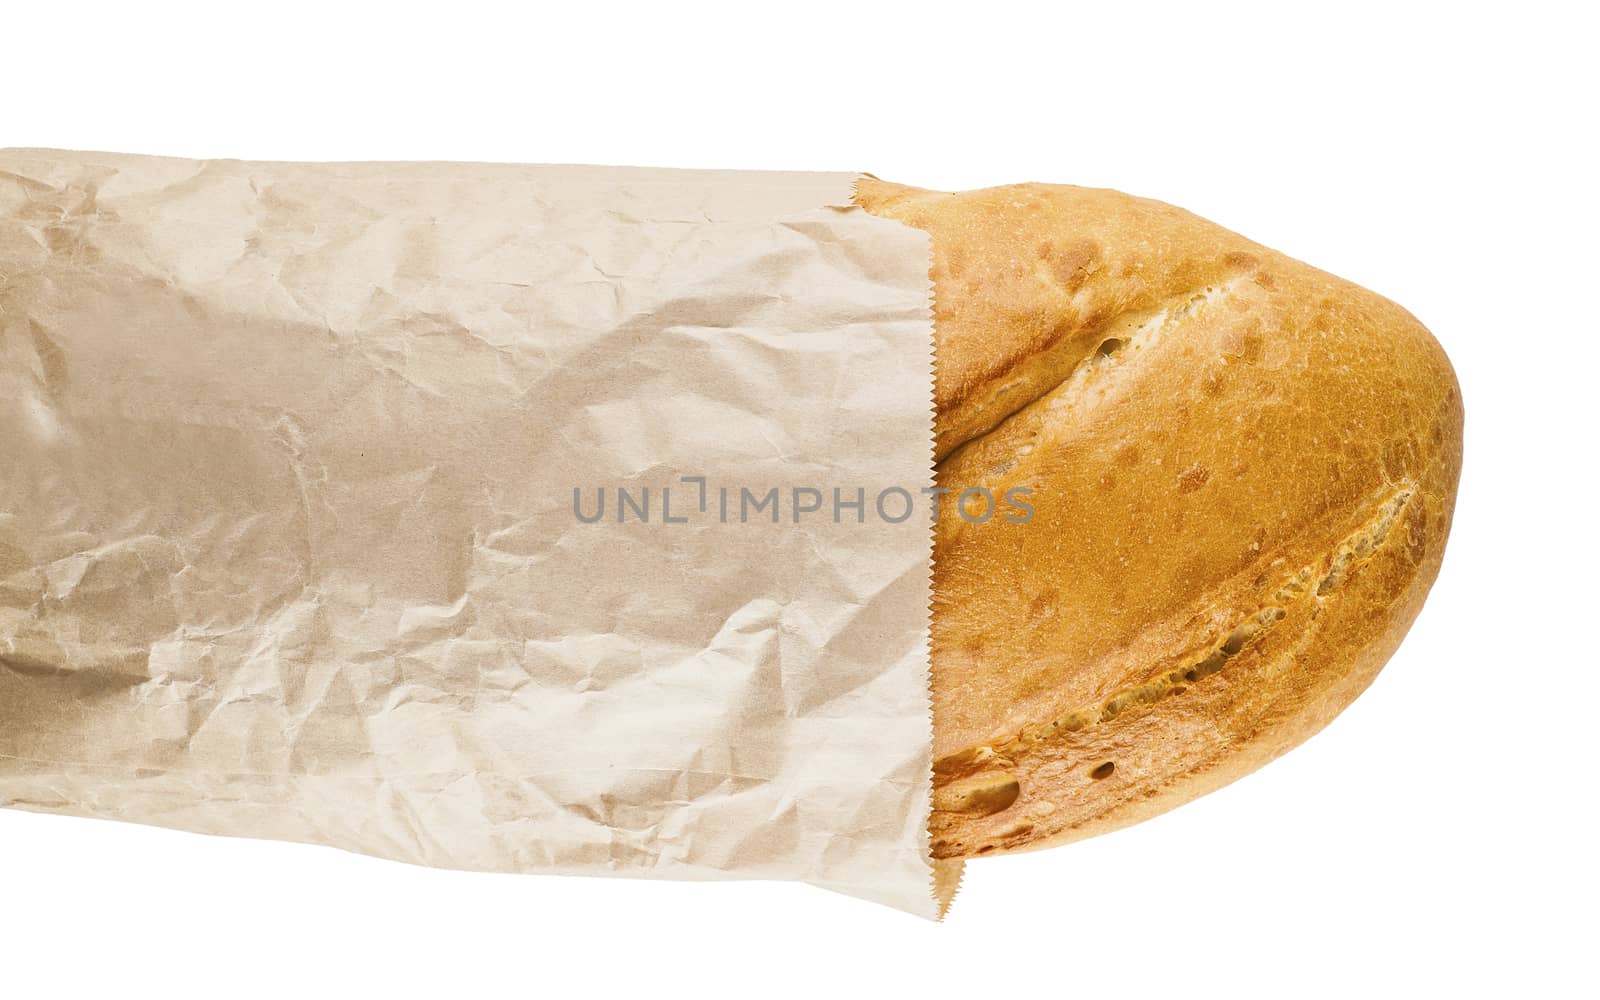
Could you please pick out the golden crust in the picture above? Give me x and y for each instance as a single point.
(1242, 472)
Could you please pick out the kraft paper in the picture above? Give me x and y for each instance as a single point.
(300, 467)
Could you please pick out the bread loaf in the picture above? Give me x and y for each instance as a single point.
(1243, 472)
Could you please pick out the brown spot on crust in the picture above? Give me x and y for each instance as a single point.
(955, 259)
(1192, 478)
(1072, 264)
(1246, 348)
(1042, 607)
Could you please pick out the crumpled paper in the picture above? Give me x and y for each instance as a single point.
(290, 545)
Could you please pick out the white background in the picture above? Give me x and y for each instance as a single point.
(1439, 835)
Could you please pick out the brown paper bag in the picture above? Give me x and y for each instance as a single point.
(300, 537)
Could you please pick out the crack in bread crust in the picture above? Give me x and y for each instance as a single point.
(983, 775)
(1345, 558)
(1115, 343)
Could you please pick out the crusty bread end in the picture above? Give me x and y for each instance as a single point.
(1242, 472)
